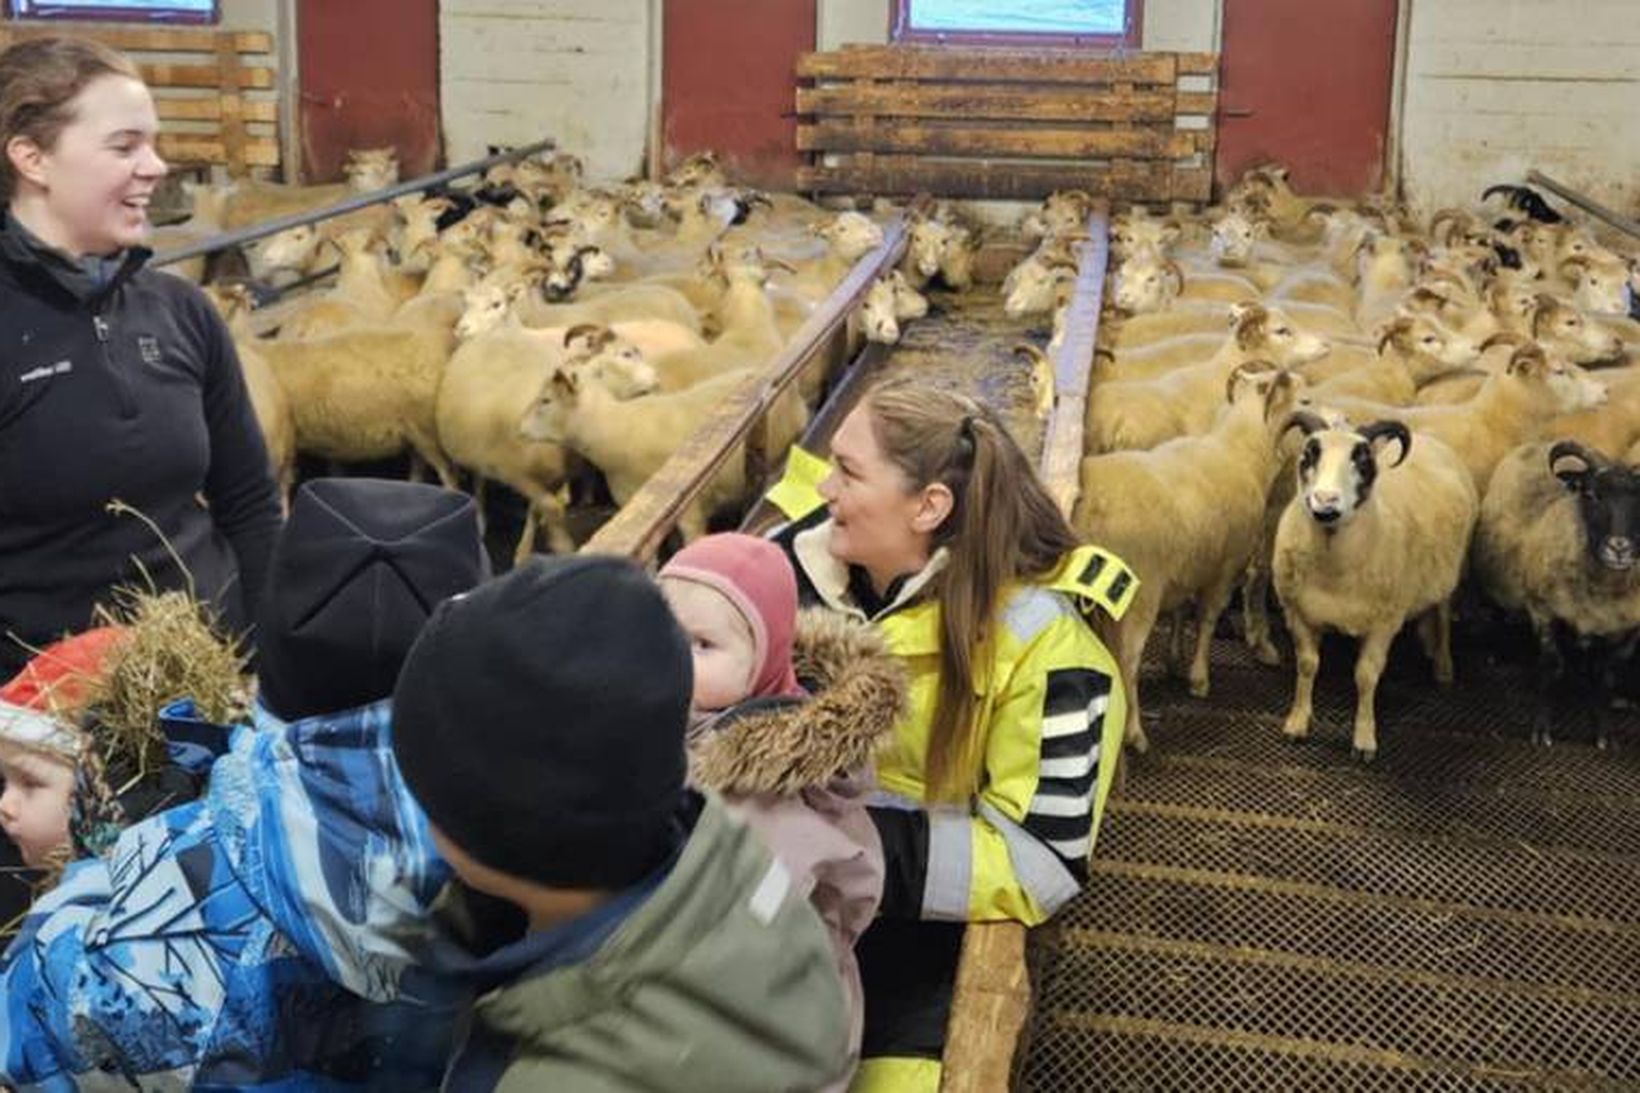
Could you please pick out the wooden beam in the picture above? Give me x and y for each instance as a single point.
(209, 148)
(1137, 181)
(1001, 141)
(1000, 103)
(1058, 66)
(993, 992)
(255, 78)
(143, 39)
(1197, 102)
(209, 108)
(1198, 64)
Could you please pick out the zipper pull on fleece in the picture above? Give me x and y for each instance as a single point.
(100, 325)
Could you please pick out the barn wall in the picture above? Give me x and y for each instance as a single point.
(1497, 86)
(513, 71)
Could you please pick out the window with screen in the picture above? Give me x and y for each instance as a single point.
(156, 11)
(1025, 22)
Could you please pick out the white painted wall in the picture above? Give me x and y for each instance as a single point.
(513, 71)
(1495, 87)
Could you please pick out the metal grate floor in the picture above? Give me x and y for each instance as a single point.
(1462, 915)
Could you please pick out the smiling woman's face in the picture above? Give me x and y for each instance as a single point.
(879, 520)
(95, 182)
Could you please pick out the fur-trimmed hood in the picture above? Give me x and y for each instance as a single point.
(859, 694)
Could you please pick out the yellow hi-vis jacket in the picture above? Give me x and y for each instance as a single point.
(1051, 703)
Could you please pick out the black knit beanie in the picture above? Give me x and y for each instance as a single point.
(540, 720)
(355, 574)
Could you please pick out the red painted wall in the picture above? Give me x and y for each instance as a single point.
(727, 84)
(369, 78)
(1307, 82)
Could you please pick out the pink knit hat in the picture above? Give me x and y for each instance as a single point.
(755, 576)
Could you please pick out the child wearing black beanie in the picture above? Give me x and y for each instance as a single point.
(623, 931)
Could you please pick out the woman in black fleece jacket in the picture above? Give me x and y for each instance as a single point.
(116, 382)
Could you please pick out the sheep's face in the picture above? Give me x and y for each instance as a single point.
(620, 367)
(1422, 337)
(1337, 468)
(1234, 235)
(1608, 504)
(1145, 283)
(1385, 258)
(922, 253)
(487, 306)
(290, 250)
(1032, 289)
(1269, 334)
(877, 316)
(371, 168)
(1601, 286)
(1137, 232)
(645, 202)
(851, 235)
(1571, 389)
(1565, 330)
(908, 302)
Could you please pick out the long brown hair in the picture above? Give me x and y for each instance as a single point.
(39, 78)
(1002, 526)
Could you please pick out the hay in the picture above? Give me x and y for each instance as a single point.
(169, 651)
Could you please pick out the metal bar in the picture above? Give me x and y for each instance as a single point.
(1589, 205)
(375, 197)
(649, 516)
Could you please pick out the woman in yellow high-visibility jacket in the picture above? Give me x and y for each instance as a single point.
(931, 523)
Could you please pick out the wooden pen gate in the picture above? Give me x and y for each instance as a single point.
(216, 109)
(1007, 123)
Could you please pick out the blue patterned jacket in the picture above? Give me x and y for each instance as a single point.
(261, 937)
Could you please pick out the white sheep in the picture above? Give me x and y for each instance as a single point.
(1143, 413)
(1559, 539)
(1362, 547)
(1186, 516)
(630, 440)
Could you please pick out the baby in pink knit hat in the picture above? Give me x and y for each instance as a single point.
(794, 765)
(736, 597)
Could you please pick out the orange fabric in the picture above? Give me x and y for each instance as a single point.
(62, 670)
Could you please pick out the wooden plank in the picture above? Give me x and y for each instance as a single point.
(992, 999)
(256, 78)
(209, 148)
(1198, 64)
(987, 65)
(1141, 181)
(1197, 102)
(988, 1009)
(143, 39)
(1046, 143)
(209, 108)
(1001, 103)
(232, 104)
(1193, 183)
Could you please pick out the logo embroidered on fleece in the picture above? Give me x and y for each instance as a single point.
(148, 347)
(46, 371)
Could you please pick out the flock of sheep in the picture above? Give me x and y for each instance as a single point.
(1363, 412)
(1367, 413)
(535, 324)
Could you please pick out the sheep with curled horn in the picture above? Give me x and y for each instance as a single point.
(1559, 541)
(1364, 546)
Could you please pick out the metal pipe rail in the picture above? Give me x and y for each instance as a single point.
(254, 232)
(1587, 204)
(644, 522)
(992, 999)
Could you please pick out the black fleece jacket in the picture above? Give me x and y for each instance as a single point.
(119, 383)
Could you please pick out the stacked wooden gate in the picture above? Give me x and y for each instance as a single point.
(1007, 123)
(215, 108)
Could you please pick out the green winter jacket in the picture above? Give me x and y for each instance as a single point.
(723, 979)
